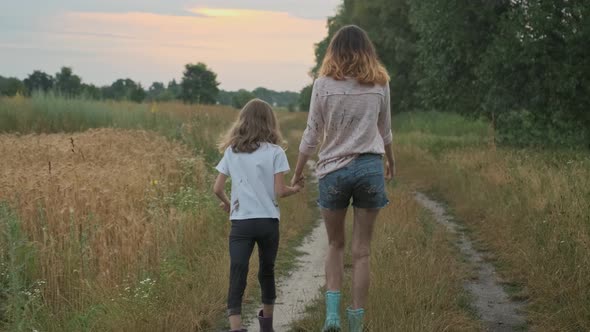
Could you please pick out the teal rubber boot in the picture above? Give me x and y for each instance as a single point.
(355, 319)
(332, 323)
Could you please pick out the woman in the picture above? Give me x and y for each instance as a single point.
(350, 114)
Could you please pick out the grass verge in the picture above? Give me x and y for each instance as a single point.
(415, 275)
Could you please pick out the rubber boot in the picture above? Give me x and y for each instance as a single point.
(355, 319)
(332, 323)
(265, 323)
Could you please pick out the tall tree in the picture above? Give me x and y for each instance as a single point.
(137, 93)
(157, 92)
(225, 97)
(539, 60)
(67, 83)
(387, 23)
(10, 86)
(174, 89)
(454, 35)
(124, 89)
(91, 91)
(199, 84)
(38, 81)
(266, 95)
(241, 98)
(305, 98)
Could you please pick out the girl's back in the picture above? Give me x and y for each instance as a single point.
(256, 164)
(252, 188)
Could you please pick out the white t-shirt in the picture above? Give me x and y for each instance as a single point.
(252, 174)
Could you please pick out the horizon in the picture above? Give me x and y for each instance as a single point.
(148, 41)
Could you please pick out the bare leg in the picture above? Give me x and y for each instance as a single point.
(334, 220)
(268, 310)
(362, 232)
(235, 322)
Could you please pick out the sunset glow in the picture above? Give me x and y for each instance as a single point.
(212, 12)
(246, 47)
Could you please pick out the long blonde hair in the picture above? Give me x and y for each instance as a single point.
(256, 124)
(352, 54)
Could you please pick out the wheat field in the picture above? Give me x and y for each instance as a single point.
(107, 219)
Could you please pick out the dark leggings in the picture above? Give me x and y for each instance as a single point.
(244, 234)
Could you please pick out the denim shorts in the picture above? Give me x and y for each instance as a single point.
(362, 179)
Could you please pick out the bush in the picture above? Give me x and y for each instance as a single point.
(525, 128)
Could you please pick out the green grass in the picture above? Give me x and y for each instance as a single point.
(47, 113)
(528, 208)
(437, 131)
(20, 296)
(439, 124)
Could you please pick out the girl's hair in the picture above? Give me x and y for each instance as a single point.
(351, 53)
(256, 124)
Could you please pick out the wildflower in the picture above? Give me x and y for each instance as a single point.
(154, 182)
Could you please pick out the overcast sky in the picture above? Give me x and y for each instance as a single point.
(248, 43)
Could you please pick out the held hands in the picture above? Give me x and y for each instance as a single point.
(298, 179)
(225, 207)
(298, 182)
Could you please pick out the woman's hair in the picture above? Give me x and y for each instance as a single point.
(256, 124)
(352, 54)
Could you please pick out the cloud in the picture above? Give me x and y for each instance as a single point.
(247, 48)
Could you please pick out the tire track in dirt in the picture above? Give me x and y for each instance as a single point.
(495, 308)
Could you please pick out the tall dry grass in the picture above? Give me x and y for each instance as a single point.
(113, 229)
(529, 210)
(97, 206)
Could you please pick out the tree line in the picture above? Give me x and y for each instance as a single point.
(524, 64)
(198, 85)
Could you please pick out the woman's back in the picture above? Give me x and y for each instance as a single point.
(350, 118)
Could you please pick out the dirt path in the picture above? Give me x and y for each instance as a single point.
(301, 286)
(492, 303)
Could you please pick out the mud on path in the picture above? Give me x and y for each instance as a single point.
(495, 308)
(297, 290)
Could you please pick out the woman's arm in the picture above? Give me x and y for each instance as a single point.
(219, 190)
(312, 134)
(384, 120)
(384, 125)
(283, 190)
(389, 162)
(301, 162)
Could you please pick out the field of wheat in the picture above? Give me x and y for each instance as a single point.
(107, 219)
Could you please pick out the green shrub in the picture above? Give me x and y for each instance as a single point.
(525, 128)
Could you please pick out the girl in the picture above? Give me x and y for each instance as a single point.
(350, 113)
(256, 164)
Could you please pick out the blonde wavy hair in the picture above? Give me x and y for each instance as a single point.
(352, 54)
(256, 124)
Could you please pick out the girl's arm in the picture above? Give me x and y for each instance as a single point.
(219, 190)
(283, 190)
